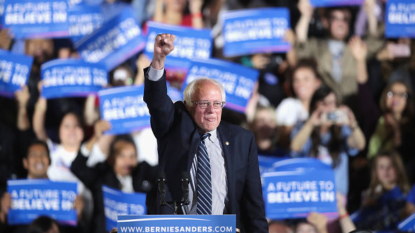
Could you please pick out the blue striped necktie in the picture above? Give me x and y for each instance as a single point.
(204, 179)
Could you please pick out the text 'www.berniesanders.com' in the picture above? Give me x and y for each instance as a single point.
(176, 229)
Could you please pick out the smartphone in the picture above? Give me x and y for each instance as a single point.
(338, 116)
(399, 50)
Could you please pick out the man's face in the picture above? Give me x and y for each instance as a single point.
(37, 161)
(207, 119)
(339, 24)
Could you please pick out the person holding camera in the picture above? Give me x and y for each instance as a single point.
(330, 134)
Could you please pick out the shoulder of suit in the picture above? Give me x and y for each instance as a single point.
(234, 129)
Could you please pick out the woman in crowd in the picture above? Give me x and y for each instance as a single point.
(119, 171)
(264, 127)
(330, 134)
(71, 135)
(303, 80)
(384, 201)
(395, 127)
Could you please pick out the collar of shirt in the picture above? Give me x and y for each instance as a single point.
(126, 183)
(213, 136)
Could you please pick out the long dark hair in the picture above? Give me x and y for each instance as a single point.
(334, 145)
(306, 63)
(401, 177)
(408, 113)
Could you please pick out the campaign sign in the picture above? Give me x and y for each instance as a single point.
(266, 163)
(189, 44)
(333, 3)
(14, 72)
(177, 223)
(36, 18)
(113, 43)
(124, 108)
(300, 164)
(407, 225)
(118, 203)
(255, 31)
(400, 19)
(175, 94)
(34, 198)
(238, 81)
(72, 78)
(83, 20)
(294, 194)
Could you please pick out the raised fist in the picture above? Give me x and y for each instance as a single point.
(163, 45)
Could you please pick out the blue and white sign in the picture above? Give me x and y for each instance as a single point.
(113, 43)
(255, 31)
(237, 80)
(177, 223)
(189, 44)
(36, 18)
(72, 78)
(33, 198)
(124, 108)
(266, 163)
(83, 20)
(294, 194)
(14, 72)
(408, 224)
(400, 19)
(118, 203)
(333, 3)
(175, 94)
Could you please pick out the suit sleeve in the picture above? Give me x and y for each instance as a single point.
(159, 104)
(87, 175)
(252, 204)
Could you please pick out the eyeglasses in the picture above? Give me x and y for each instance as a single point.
(343, 19)
(205, 104)
(402, 95)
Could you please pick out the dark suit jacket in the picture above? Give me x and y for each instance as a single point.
(144, 180)
(178, 138)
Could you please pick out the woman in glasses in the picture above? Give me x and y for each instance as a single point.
(395, 127)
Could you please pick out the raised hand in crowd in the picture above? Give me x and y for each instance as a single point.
(369, 7)
(195, 7)
(142, 62)
(39, 116)
(306, 10)
(319, 221)
(303, 135)
(22, 98)
(99, 128)
(345, 222)
(163, 45)
(6, 204)
(78, 205)
(359, 51)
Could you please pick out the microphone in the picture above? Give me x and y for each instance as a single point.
(161, 180)
(185, 188)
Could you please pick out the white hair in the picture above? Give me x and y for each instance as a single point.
(191, 88)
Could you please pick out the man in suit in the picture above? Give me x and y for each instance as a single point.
(220, 159)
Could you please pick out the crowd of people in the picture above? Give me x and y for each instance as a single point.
(343, 94)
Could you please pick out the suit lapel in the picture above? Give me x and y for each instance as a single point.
(227, 143)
